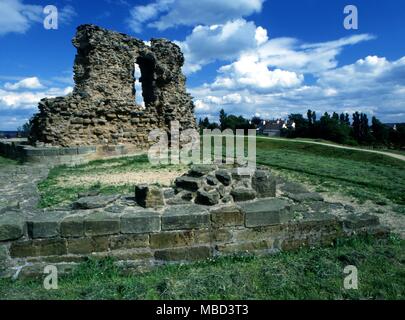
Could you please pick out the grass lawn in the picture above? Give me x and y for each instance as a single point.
(306, 274)
(106, 176)
(361, 175)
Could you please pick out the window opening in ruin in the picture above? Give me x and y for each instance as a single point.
(138, 86)
(147, 67)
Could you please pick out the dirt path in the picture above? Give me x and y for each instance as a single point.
(389, 154)
(18, 187)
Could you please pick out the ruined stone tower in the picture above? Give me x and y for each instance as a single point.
(102, 109)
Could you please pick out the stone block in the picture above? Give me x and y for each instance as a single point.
(149, 196)
(245, 247)
(101, 223)
(293, 187)
(184, 254)
(354, 221)
(46, 225)
(224, 176)
(171, 239)
(266, 212)
(264, 183)
(185, 217)
(94, 202)
(188, 183)
(207, 198)
(305, 197)
(72, 226)
(140, 222)
(37, 248)
(242, 194)
(129, 241)
(201, 170)
(260, 233)
(87, 245)
(11, 226)
(227, 216)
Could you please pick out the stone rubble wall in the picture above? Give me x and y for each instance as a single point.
(102, 109)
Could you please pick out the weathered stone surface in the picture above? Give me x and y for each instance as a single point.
(224, 177)
(101, 223)
(94, 202)
(171, 239)
(201, 170)
(129, 241)
(72, 226)
(293, 187)
(245, 247)
(212, 181)
(87, 245)
(188, 183)
(34, 248)
(102, 109)
(261, 233)
(208, 198)
(266, 212)
(46, 225)
(241, 194)
(169, 193)
(127, 255)
(11, 226)
(184, 254)
(304, 197)
(149, 196)
(354, 221)
(140, 222)
(185, 217)
(227, 216)
(264, 183)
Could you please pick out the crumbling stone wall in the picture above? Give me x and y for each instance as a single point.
(102, 108)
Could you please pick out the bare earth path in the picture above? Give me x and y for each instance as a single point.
(388, 154)
(18, 187)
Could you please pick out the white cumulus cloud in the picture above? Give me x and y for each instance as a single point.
(224, 42)
(164, 14)
(16, 16)
(27, 83)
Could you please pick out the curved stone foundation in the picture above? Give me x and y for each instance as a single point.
(138, 238)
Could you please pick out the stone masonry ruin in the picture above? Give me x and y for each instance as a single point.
(102, 109)
(210, 211)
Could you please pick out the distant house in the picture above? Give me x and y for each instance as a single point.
(271, 128)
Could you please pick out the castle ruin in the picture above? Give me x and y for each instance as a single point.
(102, 108)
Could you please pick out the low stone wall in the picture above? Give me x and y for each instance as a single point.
(210, 211)
(19, 149)
(138, 238)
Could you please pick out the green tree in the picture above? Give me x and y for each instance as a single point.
(380, 132)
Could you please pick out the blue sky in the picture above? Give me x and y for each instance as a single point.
(263, 57)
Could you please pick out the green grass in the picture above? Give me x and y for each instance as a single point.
(306, 274)
(362, 175)
(6, 162)
(54, 192)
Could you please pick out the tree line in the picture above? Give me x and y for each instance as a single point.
(340, 128)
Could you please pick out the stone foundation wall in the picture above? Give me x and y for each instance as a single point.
(102, 109)
(139, 239)
(209, 211)
(19, 149)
